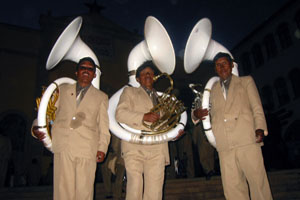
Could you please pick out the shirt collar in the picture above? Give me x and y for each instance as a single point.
(226, 82)
(148, 90)
(79, 88)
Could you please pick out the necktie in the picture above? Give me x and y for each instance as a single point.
(225, 86)
(153, 98)
(79, 97)
(224, 90)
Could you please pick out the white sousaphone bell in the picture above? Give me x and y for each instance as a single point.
(157, 47)
(201, 47)
(69, 46)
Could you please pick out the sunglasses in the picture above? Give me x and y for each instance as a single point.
(86, 68)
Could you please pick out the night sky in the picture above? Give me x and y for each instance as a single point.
(232, 20)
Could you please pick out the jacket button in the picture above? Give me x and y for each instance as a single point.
(225, 120)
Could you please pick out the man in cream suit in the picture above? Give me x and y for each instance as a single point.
(145, 164)
(239, 126)
(80, 135)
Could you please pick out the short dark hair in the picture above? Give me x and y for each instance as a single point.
(89, 59)
(221, 55)
(143, 66)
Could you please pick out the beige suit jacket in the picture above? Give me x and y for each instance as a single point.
(82, 130)
(133, 104)
(235, 119)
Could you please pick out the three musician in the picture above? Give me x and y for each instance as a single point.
(80, 134)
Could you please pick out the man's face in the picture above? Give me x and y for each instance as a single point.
(85, 73)
(223, 68)
(146, 78)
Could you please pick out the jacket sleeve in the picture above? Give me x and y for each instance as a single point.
(195, 120)
(256, 106)
(103, 126)
(125, 112)
(34, 123)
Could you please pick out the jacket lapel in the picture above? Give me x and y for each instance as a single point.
(231, 92)
(71, 91)
(87, 96)
(145, 97)
(219, 93)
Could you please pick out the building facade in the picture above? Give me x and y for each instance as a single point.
(270, 55)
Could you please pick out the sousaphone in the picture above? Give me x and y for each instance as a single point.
(201, 47)
(68, 46)
(157, 47)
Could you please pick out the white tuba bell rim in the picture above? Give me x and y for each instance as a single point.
(201, 47)
(159, 42)
(155, 36)
(41, 118)
(63, 43)
(69, 46)
(197, 45)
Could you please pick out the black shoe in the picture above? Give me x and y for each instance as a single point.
(209, 175)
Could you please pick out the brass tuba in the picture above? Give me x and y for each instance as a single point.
(197, 103)
(169, 107)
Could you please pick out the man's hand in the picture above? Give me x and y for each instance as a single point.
(259, 135)
(40, 135)
(180, 133)
(100, 156)
(151, 117)
(200, 113)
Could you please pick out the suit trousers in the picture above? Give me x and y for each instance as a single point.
(241, 165)
(205, 150)
(118, 185)
(73, 177)
(106, 175)
(145, 172)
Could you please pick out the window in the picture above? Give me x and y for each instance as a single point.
(270, 45)
(284, 35)
(257, 55)
(292, 132)
(297, 19)
(294, 75)
(281, 90)
(267, 97)
(246, 63)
